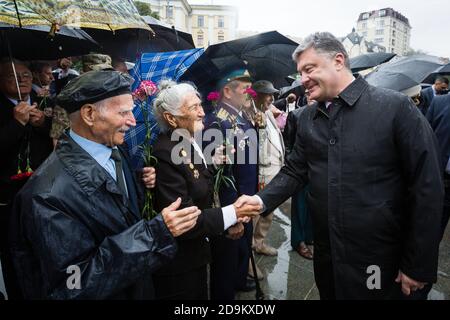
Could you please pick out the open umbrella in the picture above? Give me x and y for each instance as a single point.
(35, 43)
(443, 71)
(267, 56)
(369, 60)
(403, 73)
(99, 14)
(129, 44)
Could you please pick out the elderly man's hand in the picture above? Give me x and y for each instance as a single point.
(247, 206)
(179, 221)
(236, 231)
(408, 285)
(37, 117)
(22, 112)
(149, 177)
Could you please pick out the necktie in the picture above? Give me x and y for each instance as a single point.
(115, 155)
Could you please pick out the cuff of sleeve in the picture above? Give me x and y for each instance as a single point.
(229, 216)
(263, 206)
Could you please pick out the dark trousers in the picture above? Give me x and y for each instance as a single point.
(191, 285)
(301, 224)
(229, 264)
(9, 275)
(446, 212)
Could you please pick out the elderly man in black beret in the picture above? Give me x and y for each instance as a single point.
(76, 231)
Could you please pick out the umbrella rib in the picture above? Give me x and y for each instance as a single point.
(18, 14)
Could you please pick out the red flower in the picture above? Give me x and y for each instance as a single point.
(213, 96)
(21, 176)
(146, 89)
(252, 93)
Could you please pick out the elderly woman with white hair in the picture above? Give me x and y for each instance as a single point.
(182, 172)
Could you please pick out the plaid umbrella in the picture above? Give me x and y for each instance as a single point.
(155, 67)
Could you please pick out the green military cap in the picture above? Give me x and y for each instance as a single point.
(240, 74)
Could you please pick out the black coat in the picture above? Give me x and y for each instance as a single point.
(375, 190)
(194, 185)
(290, 131)
(14, 138)
(426, 97)
(439, 117)
(71, 212)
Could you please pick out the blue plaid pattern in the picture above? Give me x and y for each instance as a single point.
(155, 67)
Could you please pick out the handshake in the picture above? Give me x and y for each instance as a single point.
(247, 207)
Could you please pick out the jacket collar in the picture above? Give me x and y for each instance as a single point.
(349, 96)
(85, 170)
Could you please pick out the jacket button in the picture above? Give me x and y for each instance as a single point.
(332, 141)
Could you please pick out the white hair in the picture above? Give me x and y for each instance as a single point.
(170, 99)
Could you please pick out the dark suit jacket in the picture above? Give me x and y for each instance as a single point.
(439, 117)
(426, 96)
(195, 187)
(14, 138)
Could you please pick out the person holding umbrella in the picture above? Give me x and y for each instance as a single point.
(25, 143)
(375, 186)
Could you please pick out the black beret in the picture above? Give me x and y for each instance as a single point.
(93, 86)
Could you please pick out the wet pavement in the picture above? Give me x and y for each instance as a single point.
(289, 276)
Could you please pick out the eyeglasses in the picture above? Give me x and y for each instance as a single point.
(24, 75)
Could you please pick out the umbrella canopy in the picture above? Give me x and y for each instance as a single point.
(443, 71)
(154, 67)
(35, 43)
(404, 73)
(131, 43)
(99, 14)
(267, 56)
(369, 60)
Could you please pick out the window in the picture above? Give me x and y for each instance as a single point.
(364, 25)
(381, 23)
(394, 24)
(200, 40)
(169, 12)
(221, 37)
(392, 50)
(393, 33)
(379, 40)
(221, 22)
(382, 13)
(365, 16)
(379, 32)
(364, 34)
(200, 21)
(393, 42)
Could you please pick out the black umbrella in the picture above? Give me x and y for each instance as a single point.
(443, 71)
(36, 43)
(129, 44)
(267, 56)
(369, 60)
(403, 73)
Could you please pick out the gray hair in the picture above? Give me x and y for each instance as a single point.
(322, 42)
(170, 99)
(7, 61)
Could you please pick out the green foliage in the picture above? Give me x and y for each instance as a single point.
(145, 9)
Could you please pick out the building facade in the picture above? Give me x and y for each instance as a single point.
(356, 44)
(209, 24)
(386, 27)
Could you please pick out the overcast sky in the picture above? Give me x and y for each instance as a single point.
(430, 19)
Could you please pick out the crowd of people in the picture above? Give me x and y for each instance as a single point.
(367, 168)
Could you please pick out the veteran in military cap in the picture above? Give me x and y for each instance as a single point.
(231, 256)
(77, 231)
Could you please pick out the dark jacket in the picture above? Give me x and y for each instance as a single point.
(290, 131)
(426, 97)
(375, 190)
(14, 139)
(71, 212)
(193, 183)
(439, 117)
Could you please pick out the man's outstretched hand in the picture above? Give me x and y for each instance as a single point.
(179, 221)
(247, 207)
